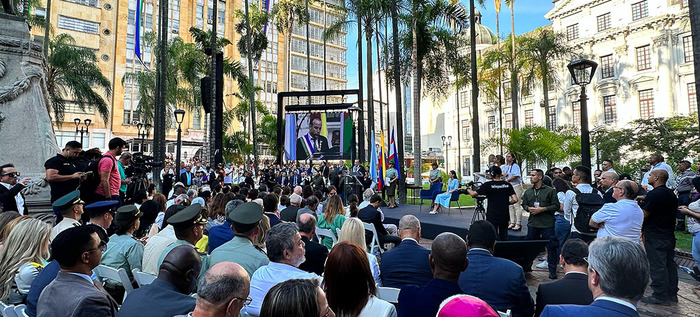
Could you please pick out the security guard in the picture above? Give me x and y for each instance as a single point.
(71, 207)
(123, 250)
(102, 213)
(244, 223)
(189, 227)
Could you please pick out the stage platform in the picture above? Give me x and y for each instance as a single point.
(433, 225)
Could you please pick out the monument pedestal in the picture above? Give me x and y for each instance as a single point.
(27, 138)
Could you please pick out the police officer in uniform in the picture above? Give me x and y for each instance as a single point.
(102, 214)
(71, 207)
(189, 226)
(123, 250)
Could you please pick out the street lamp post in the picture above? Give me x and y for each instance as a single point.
(143, 133)
(179, 116)
(84, 129)
(446, 142)
(582, 72)
(354, 114)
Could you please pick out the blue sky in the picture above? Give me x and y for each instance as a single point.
(529, 15)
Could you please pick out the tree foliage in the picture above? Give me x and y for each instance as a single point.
(236, 147)
(538, 146)
(267, 133)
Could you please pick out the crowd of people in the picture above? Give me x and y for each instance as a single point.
(290, 240)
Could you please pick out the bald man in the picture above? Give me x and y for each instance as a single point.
(448, 259)
(624, 217)
(168, 295)
(406, 264)
(223, 291)
(316, 253)
(607, 182)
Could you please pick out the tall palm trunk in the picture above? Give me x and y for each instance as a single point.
(288, 53)
(513, 74)
(379, 82)
(545, 88)
(47, 28)
(500, 86)
(397, 95)
(415, 102)
(308, 51)
(370, 77)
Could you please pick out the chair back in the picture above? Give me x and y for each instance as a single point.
(374, 246)
(321, 232)
(8, 310)
(508, 313)
(388, 294)
(455, 196)
(143, 278)
(20, 310)
(436, 187)
(106, 272)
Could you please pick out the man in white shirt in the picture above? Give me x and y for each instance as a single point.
(656, 161)
(286, 252)
(582, 177)
(607, 166)
(623, 218)
(228, 170)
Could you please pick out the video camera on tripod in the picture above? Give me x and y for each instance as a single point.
(142, 164)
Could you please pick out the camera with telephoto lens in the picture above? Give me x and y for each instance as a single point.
(143, 163)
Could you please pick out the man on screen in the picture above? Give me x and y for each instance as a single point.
(313, 143)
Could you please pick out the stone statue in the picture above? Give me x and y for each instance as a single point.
(9, 7)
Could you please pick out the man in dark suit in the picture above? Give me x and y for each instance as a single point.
(186, 177)
(289, 214)
(177, 278)
(358, 170)
(448, 259)
(312, 144)
(11, 197)
(316, 253)
(573, 289)
(406, 264)
(607, 181)
(282, 179)
(618, 273)
(499, 282)
(78, 251)
(370, 214)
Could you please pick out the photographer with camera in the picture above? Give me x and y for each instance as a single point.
(500, 195)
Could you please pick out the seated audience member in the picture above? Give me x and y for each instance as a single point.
(71, 208)
(465, 305)
(177, 278)
(102, 213)
(150, 209)
(77, 250)
(5, 218)
(286, 252)
(123, 250)
(618, 273)
(49, 273)
(222, 292)
(189, 228)
(623, 218)
(289, 214)
(349, 285)
(270, 207)
(310, 208)
(352, 209)
(448, 259)
(22, 258)
(296, 298)
(316, 253)
(370, 214)
(499, 282)
(223, 233)
(332, 218)
(242, 250)
(354, 231)
(157, 243)
(408, 263)
(573, 288)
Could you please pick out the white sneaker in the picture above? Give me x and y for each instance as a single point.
(433, 212)
(542, 265)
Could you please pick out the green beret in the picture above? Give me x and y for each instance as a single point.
(68, 200)
(192, 215)
(127, 214)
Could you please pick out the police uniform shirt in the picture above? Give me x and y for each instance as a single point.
(64, 166)
(66, 223)
(123, 251)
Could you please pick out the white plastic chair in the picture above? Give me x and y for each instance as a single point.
(508, 313)
(374, 244)
(337, 230)
(388, 294)
(19, 310)
(320, 233)
(142, 278)
(120, 275)
(7, 310)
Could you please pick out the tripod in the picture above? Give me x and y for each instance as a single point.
(479, 211)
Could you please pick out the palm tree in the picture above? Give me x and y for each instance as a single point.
(286, 13)
(513, 75)
(241, 110)
(72, 72)
(541, 52)
(267, 133)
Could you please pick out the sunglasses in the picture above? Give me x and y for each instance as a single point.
(13, 174)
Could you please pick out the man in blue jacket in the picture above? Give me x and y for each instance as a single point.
(499, 282)
(406, 264)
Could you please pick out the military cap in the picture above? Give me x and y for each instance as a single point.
(127, 214)
(69, 200)
(192, 215)
(101, 207)
(245, 217)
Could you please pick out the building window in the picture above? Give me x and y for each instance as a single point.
(72, 107)
(464, 99)
(577, 113)
(552, 116)
(684, 3)
(692, 99)
(197, 119)
(609, 109)
(465, 129)
(92, 3)
(63, 137)
(529, 116)
(646, 103)
(506, 91)
(79, 25)
(572, 32)
(509, 121)
(643, 57)
(606, 66)
(603, 22)
(639, 10)
(492, 126)
(687, 49)
(131, 101)
(98, 140)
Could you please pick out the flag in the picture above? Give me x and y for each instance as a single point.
(137, 41)
(380, 178)
(393, 154)
(498, 6)
(382, 168)
(290, 144)
(373, 160)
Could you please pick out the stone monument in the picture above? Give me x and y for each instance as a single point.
(27, 138)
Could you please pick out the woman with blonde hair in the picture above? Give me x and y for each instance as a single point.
(354, 231)
(259, 240)
(332, 218)
(24, 255)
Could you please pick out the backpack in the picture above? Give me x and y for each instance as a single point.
(588, 204)
(90, 184)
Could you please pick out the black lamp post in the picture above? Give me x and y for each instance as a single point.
(446, 142)
(179, 116)
(354, 113)
(84, 129)
(143, 133)
(582, 72)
